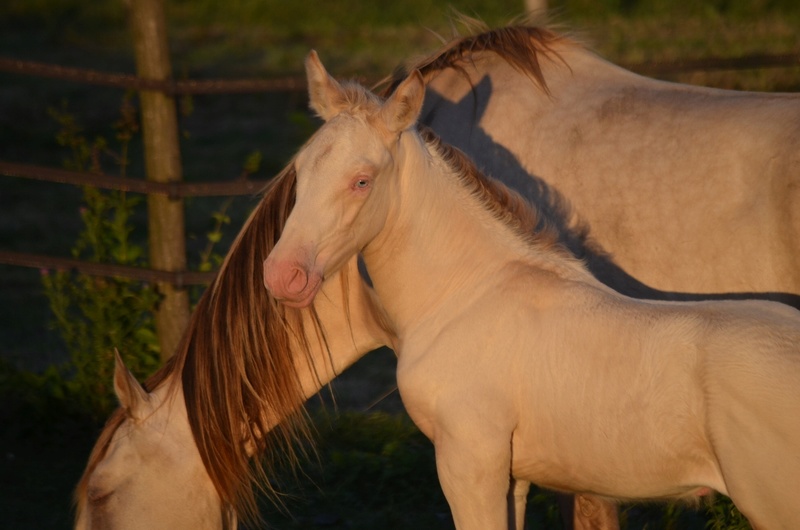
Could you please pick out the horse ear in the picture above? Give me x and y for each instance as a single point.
(132, 396)
(324, 92)
(402, 108)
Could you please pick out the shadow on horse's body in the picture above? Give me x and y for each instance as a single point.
(496, 161)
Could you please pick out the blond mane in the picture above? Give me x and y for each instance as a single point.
(237, 369)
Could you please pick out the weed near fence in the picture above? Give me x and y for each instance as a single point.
(96, 315)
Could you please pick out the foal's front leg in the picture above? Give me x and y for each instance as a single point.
(475, 478)
(471, 432)
(517, 502)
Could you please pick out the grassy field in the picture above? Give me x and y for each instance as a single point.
(365, 481)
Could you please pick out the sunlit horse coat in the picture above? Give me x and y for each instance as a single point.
(516, 362)
(523, 48)
(668, 191)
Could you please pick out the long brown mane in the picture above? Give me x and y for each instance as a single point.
(243, 396)
(240, 381)
(521, 46)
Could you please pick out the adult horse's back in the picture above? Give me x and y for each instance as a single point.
(687, 192)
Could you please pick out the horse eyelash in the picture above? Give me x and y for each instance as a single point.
(98, 499)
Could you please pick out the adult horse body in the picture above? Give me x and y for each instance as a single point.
(687, 192)
(185, 454)
(511, 354)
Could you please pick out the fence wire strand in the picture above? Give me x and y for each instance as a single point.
(44, 263)
(174, 190)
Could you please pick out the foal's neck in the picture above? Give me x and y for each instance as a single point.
(441, 244)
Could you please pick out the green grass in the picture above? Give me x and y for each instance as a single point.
(268, 37)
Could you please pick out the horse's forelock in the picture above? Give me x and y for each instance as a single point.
(358, 99)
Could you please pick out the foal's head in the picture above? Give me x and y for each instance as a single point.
(341, 181)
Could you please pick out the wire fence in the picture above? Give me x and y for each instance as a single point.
(182, 189)
(173, 190)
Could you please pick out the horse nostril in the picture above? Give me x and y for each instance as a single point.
(285, 279)
(298, 279)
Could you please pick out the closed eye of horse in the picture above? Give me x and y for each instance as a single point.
(98, 498)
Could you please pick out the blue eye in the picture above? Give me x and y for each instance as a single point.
(362, 183)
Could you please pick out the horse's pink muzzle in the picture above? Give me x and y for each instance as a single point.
(290, 282)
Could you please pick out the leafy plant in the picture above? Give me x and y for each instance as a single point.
(724, 516)
(96, 315)
(209, 258)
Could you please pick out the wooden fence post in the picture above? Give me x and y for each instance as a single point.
(536, 7)
(166, 231)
